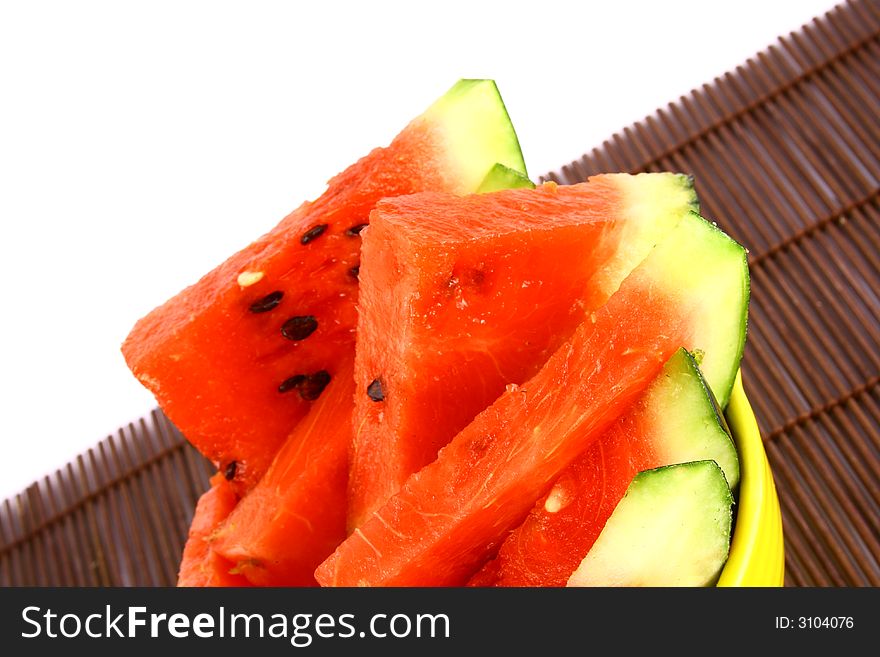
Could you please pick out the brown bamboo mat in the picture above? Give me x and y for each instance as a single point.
(785, 151)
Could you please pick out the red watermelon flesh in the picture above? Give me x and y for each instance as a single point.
(460, 296)
(451, 516)
(674, 421)
(295, 516)
(200, 565)
(236, 359)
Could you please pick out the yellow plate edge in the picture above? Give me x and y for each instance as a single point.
(757, 554)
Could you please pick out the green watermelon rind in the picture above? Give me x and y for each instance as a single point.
(637, 548)
(723, 323)
(477, 130)
(687, 418)
(502, 177)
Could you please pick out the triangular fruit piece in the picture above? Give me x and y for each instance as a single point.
(676, 420)
(450, 516)
(295, 516)
(236, 359)
(201, 565)
(461, 296)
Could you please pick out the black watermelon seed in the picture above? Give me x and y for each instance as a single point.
(355, 271)
(355, 230)
(299, 328)
(313, 233)
(310, 386)
(314, 385)
(375, 392)
(267, 303)
(292, 383)
(229, 472)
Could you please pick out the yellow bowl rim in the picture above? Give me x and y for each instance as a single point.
(757, 555)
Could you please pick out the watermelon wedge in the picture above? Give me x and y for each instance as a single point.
(295, 516)
(676, 420)
(449, 517)
(201, 565)
(461, 296)
(236, 359)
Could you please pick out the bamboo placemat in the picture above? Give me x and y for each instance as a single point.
(785, 151)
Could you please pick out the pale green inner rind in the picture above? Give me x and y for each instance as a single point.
(686, 425)
(672, 528)
(503, 177)
(477, 131)
(658, 193)
(653, 204)
(699, 263)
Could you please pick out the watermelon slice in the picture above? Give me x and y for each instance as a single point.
(201, 565)
(461, 296)
(236, 359)
(676, 420)
(450, 516)
(295, 516)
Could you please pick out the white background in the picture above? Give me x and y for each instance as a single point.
(142, 143)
